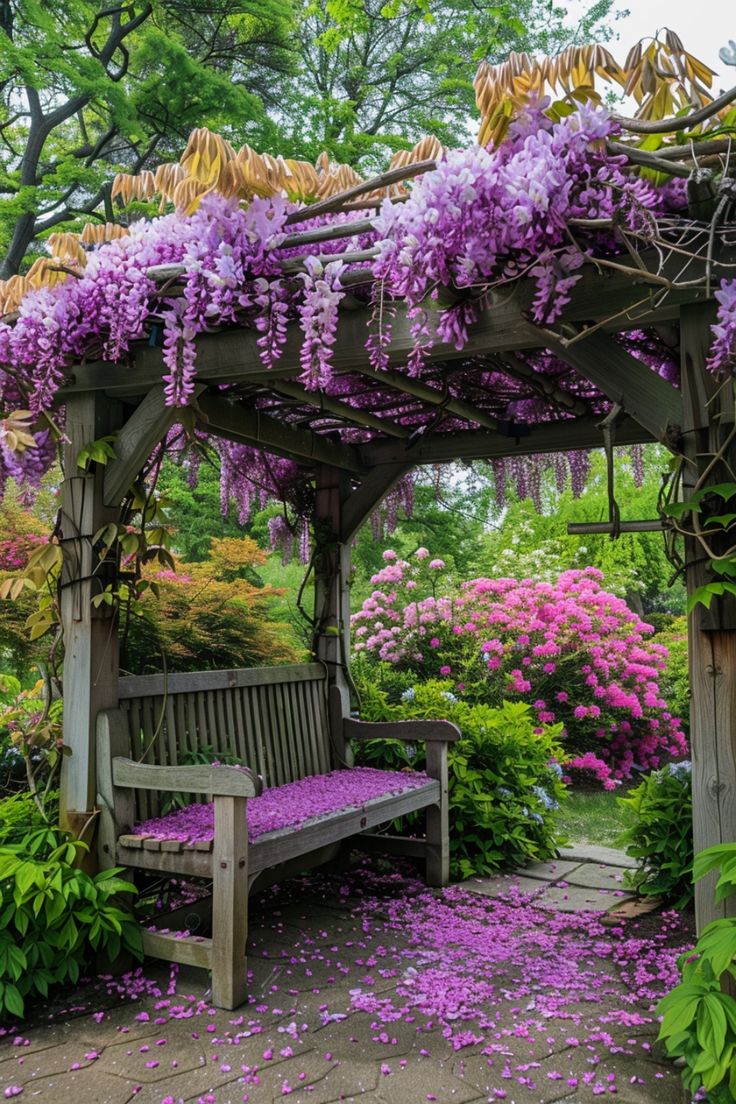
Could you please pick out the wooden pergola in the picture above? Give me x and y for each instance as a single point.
(357, 451)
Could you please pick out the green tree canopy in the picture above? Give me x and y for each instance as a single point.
(87, 88)
(376, 76)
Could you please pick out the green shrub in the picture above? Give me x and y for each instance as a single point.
(675, 681)
(661, 839)
(699, 1018)
(53, 915)
(505, 782)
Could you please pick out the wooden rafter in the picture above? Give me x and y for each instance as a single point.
(237, 422)
(331, 405)
(561, 436)
(645, 396)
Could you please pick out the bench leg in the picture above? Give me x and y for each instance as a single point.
(229, 903)
(437, 846)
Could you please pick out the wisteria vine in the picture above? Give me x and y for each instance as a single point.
(481, 219)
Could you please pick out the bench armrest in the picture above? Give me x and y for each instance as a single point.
(222, 781)
(410, 731)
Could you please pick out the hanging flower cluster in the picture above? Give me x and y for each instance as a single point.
(577, 653)
(489, 216)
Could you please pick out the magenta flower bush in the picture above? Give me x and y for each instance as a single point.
(571, 649)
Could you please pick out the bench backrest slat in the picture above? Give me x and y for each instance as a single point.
(273, 719)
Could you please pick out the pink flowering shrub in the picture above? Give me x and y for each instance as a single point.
(575, 652)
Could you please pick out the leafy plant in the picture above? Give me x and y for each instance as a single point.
(32, 722)
(53, 915)
(699, 1017)
(661, 839)
(505, 781)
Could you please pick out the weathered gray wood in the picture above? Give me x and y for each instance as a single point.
(238, 422)
(117, 807)
(287, 843)
(582, 528)
(409, 731)
(438, 824)
(618, 299)
(650, 400)
(576, 433)
(188, 950)
(407, 385)
(139, 686)
(145, 428)
(223, 780)
(90, 634)
(359, 504)
(229, 902)
(711, 634)
(332, 566)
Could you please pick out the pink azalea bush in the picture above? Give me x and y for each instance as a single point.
(571, 649)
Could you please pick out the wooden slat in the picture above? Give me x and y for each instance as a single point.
(187, 950)
(297, 726)
(276, 847)
(411, 731)
(255, 732)
(322, 728)
(195, 864)
(205, 779)
(137, 686)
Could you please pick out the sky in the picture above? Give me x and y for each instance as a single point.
(703, 25)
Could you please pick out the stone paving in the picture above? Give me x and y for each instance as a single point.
(301, 1038)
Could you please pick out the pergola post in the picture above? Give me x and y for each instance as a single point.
(332, 568)
(339, 513)
(708, 420)
(90, 633)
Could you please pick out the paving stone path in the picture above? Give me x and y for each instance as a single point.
(302, 1040)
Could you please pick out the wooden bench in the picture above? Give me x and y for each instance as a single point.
(283, 725)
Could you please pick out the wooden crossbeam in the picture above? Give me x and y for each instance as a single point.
(332, 405)
(407, 385)
(148, 424)
(575, 433)
(645, 396)
(361, 503)
(241, 423)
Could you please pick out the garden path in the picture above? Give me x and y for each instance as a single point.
(367, 987)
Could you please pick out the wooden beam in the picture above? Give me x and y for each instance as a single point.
(440, 448)
(542, 385)
(583, 528)
(646, 397)
(145, 428)
(332, 405)
(360, 503)
(618, 300)
(407, 385)
(241, 423)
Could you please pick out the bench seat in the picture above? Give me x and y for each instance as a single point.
(182, 841)
(285, 799)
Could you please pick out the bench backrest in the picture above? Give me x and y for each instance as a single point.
(273, 719)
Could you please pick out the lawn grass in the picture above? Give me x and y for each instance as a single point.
(594, 816)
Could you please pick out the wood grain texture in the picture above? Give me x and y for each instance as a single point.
(438, 823)
(90, 634)
(229, 902)
(708, 418)
(139, 686)
(409, 731)
(221, 780)
(145, 428)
